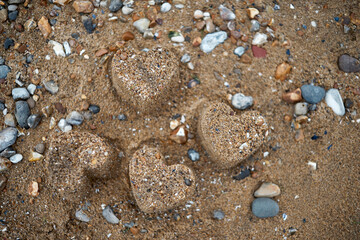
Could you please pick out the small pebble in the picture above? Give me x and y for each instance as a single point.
(64, 126)
(165, 7)
(88, 24)
(7, 137)
(267, 190)
(22, 112)
(3, 181)
(13, 15)
(4, 70)
(226, 14)
(35, 156)
(301, 108)
(293, 96)
(239, 51)
(198, 14)
(20, 93)
(185, 58)
(51, 86)
(142, 24)
(193, 155)
(212, 40)
(255, 26)
(5, 164)
(58, 48)
(75, 118)
(348, 64)
(81, 216)
(33, 120)
(264, 208)
(348, 103)
(240, 101)
(109, 215)
(218, 214)
(115, 5)
(8, 43)
(259, 38)
(334, 101)
(312, 94)
(94, 109)
(9, 120)
(8, 152)
(282, 71)
(16, 158)
(40, 148)
(31, 88)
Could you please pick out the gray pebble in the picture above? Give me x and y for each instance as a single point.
(255, 26)
(94, 108)
(4, 70)
(122, 117)
(16, 158)
(348, 64)
(240, 101)
(264, 207)
(312, 94)
(40, 148)
(115, 5)
(22, 112)
(193, 155)
(301, 108)
(211, 40)
(64, 126)
(34, 120)
(7, 137)
(109, 215)
(9, 120)
(143, 230)
(20, 93)
(185, 58)
(12, 8)
(2, 106)
(13, 15)
(218, 214)
(81, 216)
(51, 86)
(8, 152)
(75, 118)
(129, 225)
(16, 1)
(31, 88)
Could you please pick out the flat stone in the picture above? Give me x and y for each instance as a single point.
(22, 112)
(258, 52)
(301, 108)
(109, 215)
(334, 101)
(312, 94)
(81, 216)
(51, 86)
(20, 93)
(9, 120)
(348, 64)
(115, 5)
(267, 190)
(44, 27)
(264, 208)
(4, 70)
(33, 120)
(142, 24)
(7, 137)
(242, 102)
(212, 40)
(16, 158)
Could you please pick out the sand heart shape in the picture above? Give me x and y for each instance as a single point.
(230, 138)
(145, 79)
(157, 186)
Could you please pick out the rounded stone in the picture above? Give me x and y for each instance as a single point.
(109, 215)
(312, 94)
(267, 190)
(348, 64)
(218, 214)
(264, 208)
(20, 93)
(22, 112)
(7, 137)
(212, 40)
(75, 118)
(240, 101)
(301, 108)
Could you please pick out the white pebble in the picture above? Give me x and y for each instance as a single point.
(259, 38)
(313, 24)
(198, 14)
(58, 48)
(16, 158)
(334, 101)
(165, 7)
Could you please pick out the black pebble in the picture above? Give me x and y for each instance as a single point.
(89, 25)
(13, 15)
(243, 174)
(348, 103)
(8, 43)
(94, 108)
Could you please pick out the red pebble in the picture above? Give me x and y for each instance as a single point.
(258, 52)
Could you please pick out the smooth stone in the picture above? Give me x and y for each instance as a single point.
(31, 88)
(239, 51)
(109, 215)
(185, 58)
(13, 15)
(226, 14)
(7, 137)
(20, 93)
(193, 155)
(165, 7)
(142, 24)
(8, 43)
(264, 208)
(40, 148)
(75, 118)
(16, 1)
(94, 109)
(218, 214)
(312, 94)
(9, 120)
(8, 152)
(22, 112)
(58, 48)
(12, 8)
(34, 120)
(255, 26)
(81, 216)
(64, 126)
(267, 190)
(16, 158)
(2, 106)
(348, 103)
(115, 5)
(4, 70)
(51, 86)
(334, 101)
(126, 10)
(212, 40)
(178, 39)
(259, 38)
(301, 108)
(348, 64)
(240, 101)
(31, 102)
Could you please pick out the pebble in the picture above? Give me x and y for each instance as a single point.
(179, 39)
(348, 64)
(81, 216)
(44, 27)
(312, 94)
(264, 208)
(4, 70)
(127, 36)
(198, 14)
(115, 5)
(3, 181)
(33, 189)
(301, 108)
(252, 12)
(334, 101)
(185, 58)
(20, 93)
(126, 10)
(212, 40)
(259, 38)
(31, 88)
(40, 148)
(179, 134)
(267, 190)
(8, 43)
(3, 15)
(348, 103)
(7, 137)
(218, 214)
(282, 71)
(165, 7)
(60, 108)
(51, 86)
(67, 48)
(239, 51)
(244, 173)
(22, 112)
(35, 156)
(64, 126)
(58, 48)
(75, 118)
(9, 120)
(83, 6)
(94, 109)
(33, 120)
(16, 158)
(258, 52)
(2, 106)
(242, 102)
(7, 152)
(5, 164)
(13, 15)
(88, 24)
(193, 155)
(12, 8)
(142, 24)
(226, 14)
(255, 26)
(293, 96)
(109, 215)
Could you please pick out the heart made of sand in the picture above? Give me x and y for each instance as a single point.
(230, 138)
(145, 79)
(157, 186)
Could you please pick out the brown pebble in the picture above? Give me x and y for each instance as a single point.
(301, 119)
(197, 42)
(3, 181)
(134, 230)
(299, 135)
(31, 102)
(292, 97)
(101, 52)
(282, 70)
(44, 27)
(179, 134)
(33, 189)
(60, 108)
(151, 13)
(83, 6)
(18, 27)
(72, 76)
(84, 106)
(127, 36)
(287, 118)
(245, 58)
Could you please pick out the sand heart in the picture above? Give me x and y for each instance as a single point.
(157, 186)
(145, 79)
(230, 138)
